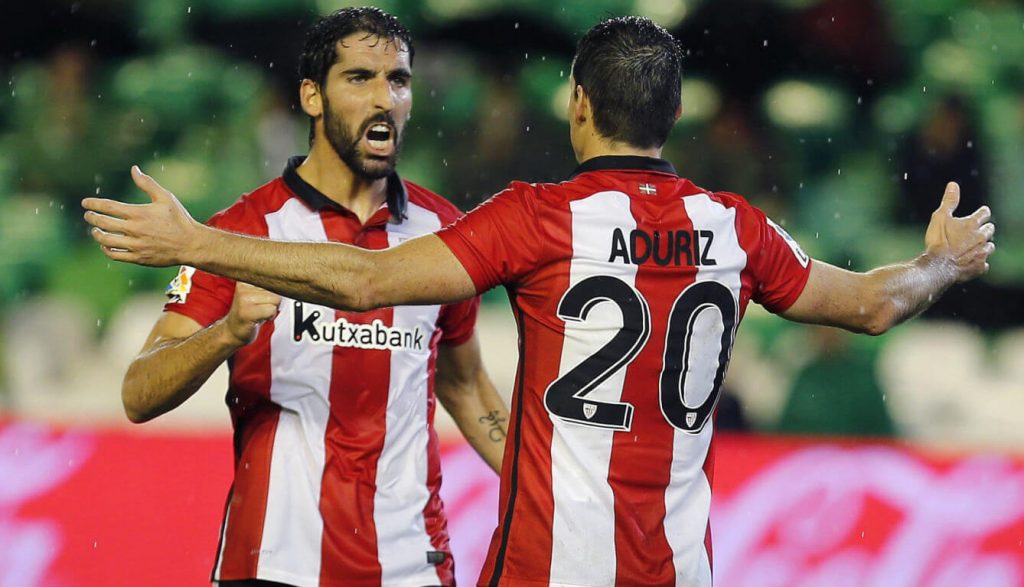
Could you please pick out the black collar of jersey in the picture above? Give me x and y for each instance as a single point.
(397, 196)
(624, 163)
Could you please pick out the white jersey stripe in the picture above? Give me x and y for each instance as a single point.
(401, 496)
(583, 528)
(223, 539)
(688, 496)
(293, 526)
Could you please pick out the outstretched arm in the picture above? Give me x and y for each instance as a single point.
(162, 233)
(956, 250)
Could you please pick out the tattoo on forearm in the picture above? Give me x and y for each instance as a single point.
(496, 429)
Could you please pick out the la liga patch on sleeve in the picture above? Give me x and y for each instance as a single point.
(177, 290)
(799, 253)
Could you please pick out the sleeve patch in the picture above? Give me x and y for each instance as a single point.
(799, 253)
(179, 287)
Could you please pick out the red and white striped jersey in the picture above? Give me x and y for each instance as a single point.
(628, 283)
(336, 459)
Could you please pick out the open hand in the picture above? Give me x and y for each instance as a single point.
(965, 241)
(158, 234)
(251, 307)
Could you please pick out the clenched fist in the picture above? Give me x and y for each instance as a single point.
(251, 307)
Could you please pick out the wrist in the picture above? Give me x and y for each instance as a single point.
(940, 264)
(227, 336)
(196, 245)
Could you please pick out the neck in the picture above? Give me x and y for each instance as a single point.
(324, 170)
(600, 147)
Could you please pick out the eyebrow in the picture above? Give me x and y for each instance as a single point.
(399, 71)
(359, 70)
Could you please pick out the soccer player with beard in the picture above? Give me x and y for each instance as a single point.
(628, 283)
(336, 458)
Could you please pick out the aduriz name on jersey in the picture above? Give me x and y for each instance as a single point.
(673, 247)
(341, 332)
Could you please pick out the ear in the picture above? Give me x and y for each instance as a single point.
(580, 105)
(310, 98)
(679, 112)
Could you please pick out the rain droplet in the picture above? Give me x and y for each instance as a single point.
(970, 144)
(99, 323)
(516, 26)
(765, 44)
(189, 11)
(924, 89)
(905, 174)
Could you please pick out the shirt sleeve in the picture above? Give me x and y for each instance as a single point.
(781, 267)
(498, 241)
(458, 321)
(201, 296)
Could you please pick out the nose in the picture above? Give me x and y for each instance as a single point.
(383, 95)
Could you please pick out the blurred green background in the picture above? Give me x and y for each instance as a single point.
(842, 119)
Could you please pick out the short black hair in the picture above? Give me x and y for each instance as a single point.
(632, 70)
(320, 50)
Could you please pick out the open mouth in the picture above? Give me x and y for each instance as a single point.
(380, 139)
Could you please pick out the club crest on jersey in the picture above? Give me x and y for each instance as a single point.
(589, 410)
(177, 290)
(799, 253)
(648, 189)
(691, 417)
(341, 332)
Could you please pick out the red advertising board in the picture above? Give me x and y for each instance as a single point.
(85, 507)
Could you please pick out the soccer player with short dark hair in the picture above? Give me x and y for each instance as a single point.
(336, 458)
(628, 283)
